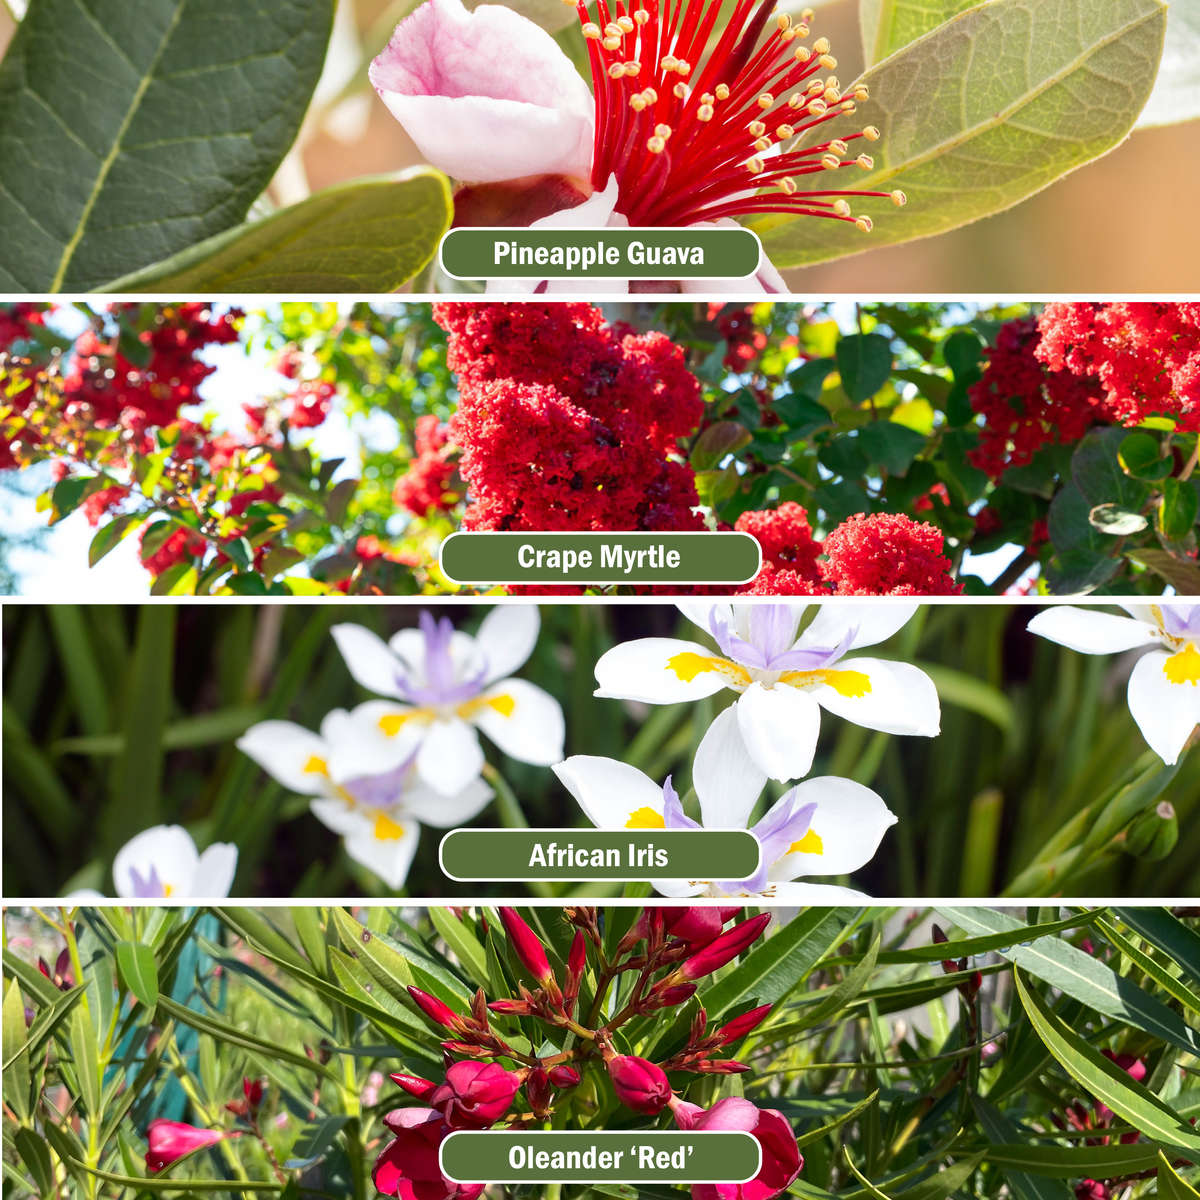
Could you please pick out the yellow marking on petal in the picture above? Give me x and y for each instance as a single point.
(168, 891)
(316, 766)
(645, 818)
(504, 704)
(387, 830)
(851, 684)
(688, 665)
(1184, 667)
(390, 724)
(810, 843)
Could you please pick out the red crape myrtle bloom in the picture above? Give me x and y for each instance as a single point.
(787, 542)
(887, 554)
(1025, 404)
(425, 485)
(567, 423)
(1145, 357)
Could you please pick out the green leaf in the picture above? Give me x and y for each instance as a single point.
(153, 1183)
(1179, 572)
(35, 1154)
(139, 971)
(370, 235)
(1103, 1079)
(889, 25)
(1177, 509)
(133, 130)
(815, 1135)
(463, 942)
(1176, 94)
(1087, 979)
(718, 440)
(85, 1056)
(1097, 472)
(1141, 455)
(1115, 521)
(983, 112)
(108, 535)
(314, 1140)
(864, 361)
(891, 445)
(16, 1067)
(1073, 1162)
(973, 694)
(1025, 1185)
(1171, 1185)
(1168, 933)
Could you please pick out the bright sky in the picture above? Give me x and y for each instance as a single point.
(56, 569)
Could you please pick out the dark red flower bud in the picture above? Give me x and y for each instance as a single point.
(537, 1089)
(639, 1083)
(737, 1028)
(725, 948)
(671, 996)
(475, 1095)
(724, 1066)
(252, 1089)
(527, 946)
(563, 1076)
(435, 1010)
(512, 1008)
(414, 1085)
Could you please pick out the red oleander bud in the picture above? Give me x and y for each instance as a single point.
(737, 1028)
(724, 1066)
(527, 946)
(435, 1010)
(169, 1140)
(724, 948)
(537, 1089)
(414, 1085)
(671, 996)
(475, 1095)
(563, 1076)
(479, 1008)
(466, 1049)
(639, 1083)
(252, 1089)
(511, 1008)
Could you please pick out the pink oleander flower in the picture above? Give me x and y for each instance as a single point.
(679, 129)
(639, 1083)
(781, 1158)
(171, 1140)
(563, 1076)
(475, 1095)
(408, 1166)
(697, 925)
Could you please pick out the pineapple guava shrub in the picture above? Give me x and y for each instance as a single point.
(880, 449)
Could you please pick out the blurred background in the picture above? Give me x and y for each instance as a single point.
(120, 718)
(1120, 225)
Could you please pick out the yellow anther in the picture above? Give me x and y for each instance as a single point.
(861, 94)
(784, 132)
(681, 91)
(871, 133)
(830, 162)
(633, 68)
(787, 187)
(815, 88)
(838, 146)
(755, 165)
(827, 61)
(765, 101)
(668, 62)
(846, 106)
(683, 67)
(722, 91)
(864, 223)
(795, 100)
(612, 29)
(763, 143)
(616, 70)
(899, 199)
(818, 108)
(662, 131)
(592, 30)
(656, 145)
(801, 30)
(756, 128)
(821, 45)
(841, 208)
(650, 96)
(704, 112)
(641, 16)
(637, 102)
(865, 161)
(802, 54)
(783, 21)
(626, 23)
(611, 43)
(832, 84)
(807, 15)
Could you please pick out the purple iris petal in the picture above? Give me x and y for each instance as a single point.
(1181, 620)
(441, 685)
(147, 887)
(786, 823)
(380, 791)
(673, 815)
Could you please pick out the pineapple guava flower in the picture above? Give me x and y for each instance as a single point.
(782, 680)
(823, 826)
(451, 685)
(379, 815)
(162, 863)
(696, 117)
(1164, 686)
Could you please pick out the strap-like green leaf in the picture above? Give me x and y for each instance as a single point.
(139, 972)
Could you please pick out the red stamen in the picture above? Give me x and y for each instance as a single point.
(696, 134)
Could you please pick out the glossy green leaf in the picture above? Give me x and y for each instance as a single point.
(152, 1183)
(1179, 572)
(999, 1129)
(139, 971)
(718, 440)
(1084, 977)
(464, 944)
(983, 112)
(1103, 1079)
(370, 235)
(1168, 933)
(133, 130)
(864, 361)
(35, 1154)
(889, 25)
(85, 1056)
(1177, 509)
(1073, 1162)
(1172, 1185)
(1176, 94)
(16, 1065)
(1140, 454)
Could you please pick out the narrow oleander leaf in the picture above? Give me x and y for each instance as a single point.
(1168, 933)
(370, 235)
(1172, 1185)
(1026, 1185)
(1103, 1079)
(139, 971)
(131, 131)
(982, 112)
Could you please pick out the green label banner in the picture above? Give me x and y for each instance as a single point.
(548, 1156)
(506, 253)
(600, 558)
(575, 854)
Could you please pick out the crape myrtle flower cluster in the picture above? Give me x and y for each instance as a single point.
(489, 1082)
(428, 484)
(697, 115)
(782, 679)
(1049, 378)
(377, 773)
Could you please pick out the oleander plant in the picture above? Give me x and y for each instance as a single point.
(319, 1051)
(881, 748)
(905, 449)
